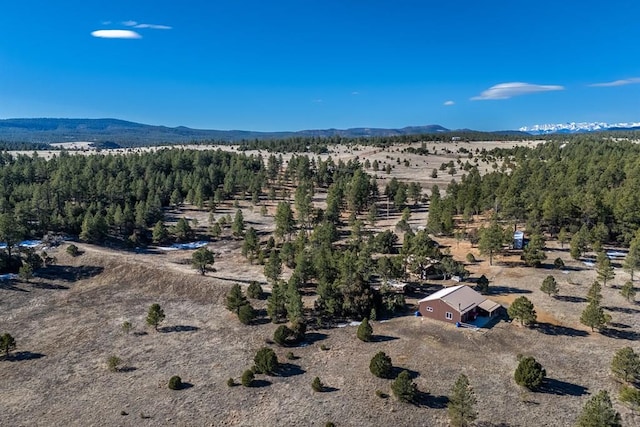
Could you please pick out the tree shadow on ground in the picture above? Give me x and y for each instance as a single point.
(619, 325)
(562, 388)
(383, 338)
(550, 329)
(497, 290)
(491, 424)
(425, 400)
(625, 310)
(327, 389)
(621, 334)
(287, 370)
(234, 280)
(314, 337)
(20, 356)
(260, 383)
(128, 369)
(186, 385)
(570, 298)
(139, 333)
(7, 285)
(178, 328)
(48, 286)
(69, 273)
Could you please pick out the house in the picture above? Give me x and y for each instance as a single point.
(518, 240)
(457, 304)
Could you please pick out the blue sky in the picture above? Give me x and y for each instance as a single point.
(290, 65)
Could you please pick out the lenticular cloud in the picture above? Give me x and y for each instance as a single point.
(116, 34)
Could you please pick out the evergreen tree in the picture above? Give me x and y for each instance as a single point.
(594, 316)
(491, 240)
(579, 243)
(266, 361)
(533, 254)
(276, 303)
(182, 230)
(381, 365)
(549, 286)
(237, 228)
(461, 406)
(522, 309)
(365, 331)
(7, 344)
(626, 364)
(201, 259)
(563, 237)
(482, 285)
(285, 223)
(628, 291)
(246, 313)
(403, 388)
(294, 305)
(599, 412)
(159, 233)
(529, 373)
(604, 269)
(235, 299)
(273, 267)
(251, 244)
(155, 316)
(594, 294)
(632, 260)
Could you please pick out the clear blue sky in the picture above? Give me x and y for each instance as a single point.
(301, 64)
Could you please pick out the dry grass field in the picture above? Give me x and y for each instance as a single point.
(67, 322)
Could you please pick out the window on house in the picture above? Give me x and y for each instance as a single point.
(448, 315)
(430, 309)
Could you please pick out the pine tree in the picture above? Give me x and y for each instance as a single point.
(159, 233)
(276, 303)
(491, 240)
(403, 388)
(529, 373)
(594, 316)
(594, 294)
(381, 365)
(549, 286)
(604, 268)
(201, 259)
(626, 364)
(7, 344)
(599, 412)
(632, 260)
(533, 254)
(522, 309)
(235, 299)
(628, 291)
(294, 305)
(237, 228)
(365, 331)
(273, 267)
(251, 244)
(563, 237)
(285, 223)
(155, 316)
(461, 406)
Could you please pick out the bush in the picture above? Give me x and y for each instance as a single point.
(558, 263)
(471, 258)
(317, 385)
(127, 327)
(365, 331)
(381, 394)
(324, 347)
(291, 356)
(113, 363)
(266, 361)
(175, 383)
(247, 378)
(403, 388)
(231, 382)
(529, 373)
(282, 334)
(254, 290)
(73, 250)
(246, 314)
(482, 285)
(631, 396)
(381, 365)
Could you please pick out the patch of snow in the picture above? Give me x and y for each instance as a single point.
(615, 254)
(589, 263)
(184, 246)
(8, 276)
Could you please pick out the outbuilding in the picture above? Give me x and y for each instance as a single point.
(458, 304)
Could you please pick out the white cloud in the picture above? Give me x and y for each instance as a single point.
(130, 23)
(508, 90)
(116, 34)
(448, 103)
(153, 26)
(623, 82)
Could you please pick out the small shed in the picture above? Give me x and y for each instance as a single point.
(518, 240)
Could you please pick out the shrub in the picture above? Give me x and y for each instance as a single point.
(381, 365)
(127, 327)
(482, 285)
(254, 290)
(155, 316)
(529, 373)
(73, 250)
(175, 383)
(282, 334)
(7, 344)
(231, 382)
(291, 356)
(113, 363)
(266, 361)
(403, 388)
(558, 263)
(631, 396)
(324, 347)
(317, 385)
(246, 314)
(381, 394)
(299, 329)
(247, 378)
(365, 331)
(471, 258)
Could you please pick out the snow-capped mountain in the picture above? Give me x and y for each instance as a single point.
(574, 127)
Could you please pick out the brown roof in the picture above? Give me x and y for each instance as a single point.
(462, 298)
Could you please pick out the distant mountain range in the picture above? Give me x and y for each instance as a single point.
(578, 127)
(48, 130)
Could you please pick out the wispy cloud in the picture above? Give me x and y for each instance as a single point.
(136, 24)
(354, 93)
(448, 103)
(116, 34)
(623, 82)
(509, 90)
